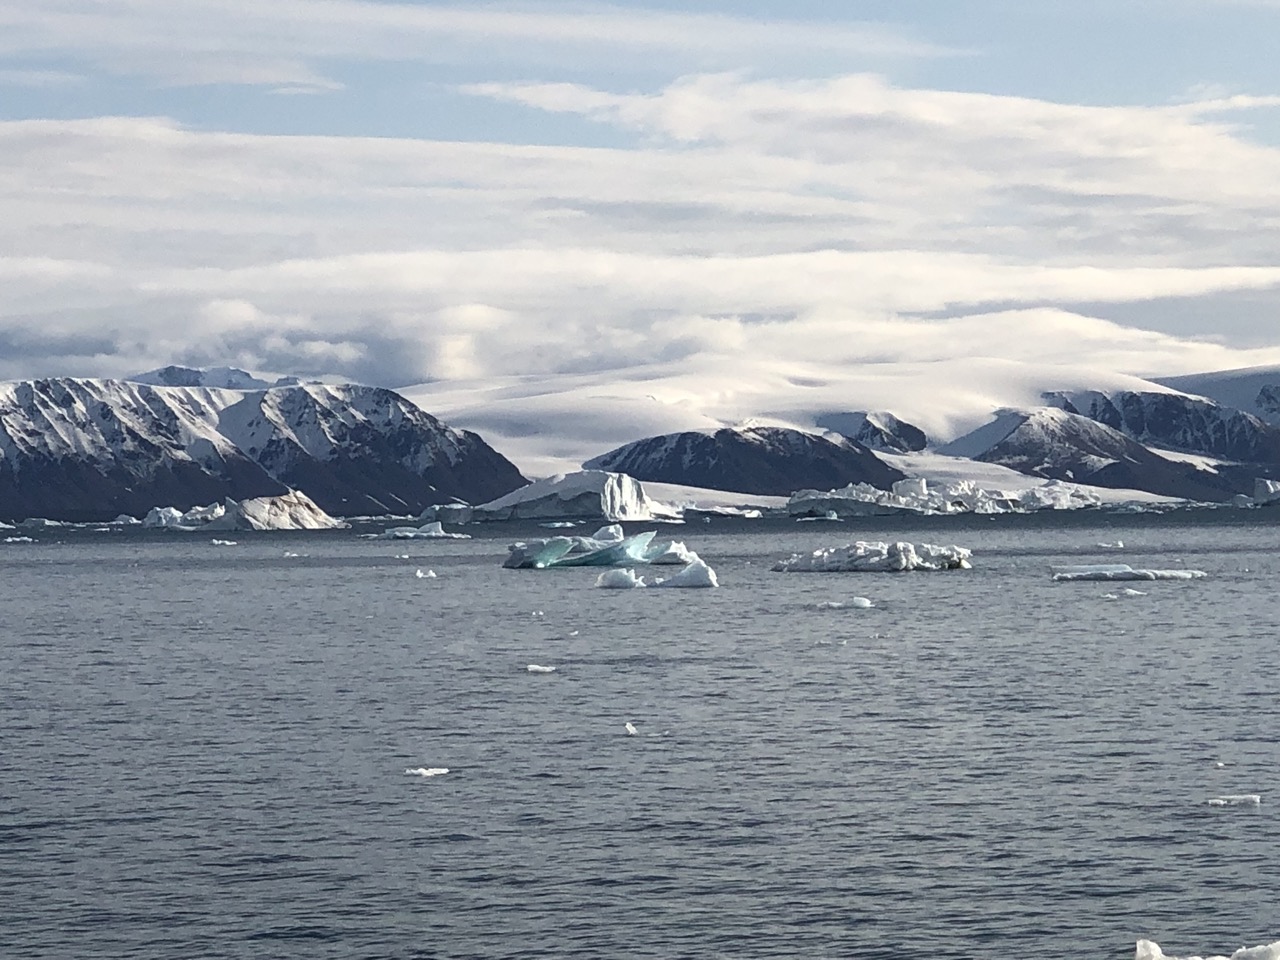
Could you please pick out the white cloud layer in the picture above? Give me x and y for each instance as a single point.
(781, 230)
(296, 41)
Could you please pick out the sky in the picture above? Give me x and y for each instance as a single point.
(468, 193)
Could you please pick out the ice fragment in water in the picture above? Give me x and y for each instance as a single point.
(619, 580)
(1236, 800)
(427, 771)
(424, 574)
(1119, 571)
(538, 668)
(1148, 950)
(630, 728)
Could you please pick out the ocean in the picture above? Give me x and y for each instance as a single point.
(204, 746)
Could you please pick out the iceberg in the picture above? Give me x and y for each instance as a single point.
(695, 575)
(430, 531)
(917, 496)
(290, 511)
(163, 517)
(674, 553)
(877, 557)
(586, 494)
(619, 580)
(630, 550)
(1119, 571)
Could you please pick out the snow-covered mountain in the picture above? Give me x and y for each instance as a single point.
(758, 460)
(1057, 444)
(83, 449)
(1176, 421)
(220, 378)
(876, 430)
(1253, 390)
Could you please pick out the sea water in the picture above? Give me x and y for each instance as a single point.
(216, 750)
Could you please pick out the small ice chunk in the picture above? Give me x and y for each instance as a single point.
(224, 543)
(290, 553)
(18, 540)
(536, 613)
(1130, 592)
(424, 574)
(1113, 545)
(621, 579)
(861, 602)
(1236, 800)
(831, 605)
(427, 771)
(538, 668)
(630, 728)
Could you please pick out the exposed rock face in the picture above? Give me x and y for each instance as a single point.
(1053, 443)
(769, 461)
(73, 449)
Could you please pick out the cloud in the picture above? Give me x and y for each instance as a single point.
(847, 216)
(248, 42)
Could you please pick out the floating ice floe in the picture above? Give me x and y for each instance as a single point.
(1119, 571)
(1113, 545)
(1148, 950)
(222, 543)
(877, 557)
(18, 540)
(630, 728)
(430, 531)
(427, 771)
(538, 668)
(425, 574)
(1236, 800)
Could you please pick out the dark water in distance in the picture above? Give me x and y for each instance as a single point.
(204, 748)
